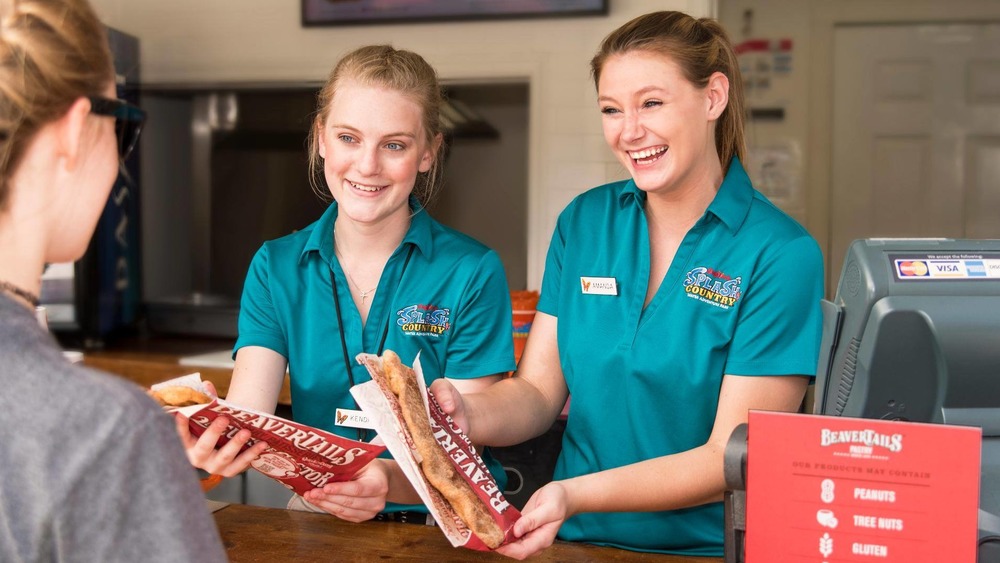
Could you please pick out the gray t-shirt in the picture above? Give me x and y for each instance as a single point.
(91, 469)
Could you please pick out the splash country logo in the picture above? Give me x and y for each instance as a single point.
(713, 287)
(417, 320)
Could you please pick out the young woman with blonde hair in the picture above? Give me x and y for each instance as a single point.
(374, 273)
(92, 468)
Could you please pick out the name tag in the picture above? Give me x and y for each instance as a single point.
(353, 419)
(598, 286)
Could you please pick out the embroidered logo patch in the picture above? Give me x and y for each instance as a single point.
(713, 287)
(418, 320)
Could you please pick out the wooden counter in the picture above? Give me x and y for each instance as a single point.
(147, 364)
(252, 533)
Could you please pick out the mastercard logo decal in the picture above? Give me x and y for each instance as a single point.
(912, 268)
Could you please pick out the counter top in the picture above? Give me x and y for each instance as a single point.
(252, 533)
(149, 362)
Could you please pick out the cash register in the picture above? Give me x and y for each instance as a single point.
(913, 334)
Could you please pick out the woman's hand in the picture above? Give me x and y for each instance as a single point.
(256, 384)
(227, 460)
(356, 500)
(540, 520)
(451, 402)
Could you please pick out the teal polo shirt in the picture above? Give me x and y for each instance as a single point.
(442, 294)
(741, 297)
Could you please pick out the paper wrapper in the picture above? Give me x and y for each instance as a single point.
(382, 408)
(300, 457)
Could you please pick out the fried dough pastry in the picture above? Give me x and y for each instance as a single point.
(436, 466)
(179, 396)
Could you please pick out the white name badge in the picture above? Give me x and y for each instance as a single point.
(353, 419)
(598, 286)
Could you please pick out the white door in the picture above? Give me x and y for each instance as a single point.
(916, 134)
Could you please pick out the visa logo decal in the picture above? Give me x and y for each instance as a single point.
(947, 268)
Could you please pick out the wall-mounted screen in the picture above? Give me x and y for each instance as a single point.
(352, 12)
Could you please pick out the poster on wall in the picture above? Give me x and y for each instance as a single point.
(353, 12)
(776, 171)
(761, 60)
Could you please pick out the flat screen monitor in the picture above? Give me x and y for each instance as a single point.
(913, 334)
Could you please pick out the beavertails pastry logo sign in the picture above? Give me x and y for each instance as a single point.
(713, 287)
(861, 444)
(860, 490)
(300, 457)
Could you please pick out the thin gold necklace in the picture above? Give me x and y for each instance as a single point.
(364, 294)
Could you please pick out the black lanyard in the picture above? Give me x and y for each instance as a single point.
(362, 433)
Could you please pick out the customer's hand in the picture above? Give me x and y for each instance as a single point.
(203, 452)
(358, 499)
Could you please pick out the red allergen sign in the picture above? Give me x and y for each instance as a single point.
(824, 489)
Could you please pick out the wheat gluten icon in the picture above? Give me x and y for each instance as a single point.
(826, 545)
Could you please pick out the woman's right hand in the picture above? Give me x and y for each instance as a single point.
(451, 402)
(227, 460)
(540, 521)
(358, 499)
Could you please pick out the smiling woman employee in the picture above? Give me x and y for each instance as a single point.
(375, 272)
(672, 303)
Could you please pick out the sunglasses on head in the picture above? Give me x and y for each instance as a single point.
(128, 121)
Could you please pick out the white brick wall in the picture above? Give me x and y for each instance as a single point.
(263, 40)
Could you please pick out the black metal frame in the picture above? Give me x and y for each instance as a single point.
(399, 16)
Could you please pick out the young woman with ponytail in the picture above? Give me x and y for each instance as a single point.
(672, 303)
(92, 469)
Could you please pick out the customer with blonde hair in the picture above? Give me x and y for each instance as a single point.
(92, 469)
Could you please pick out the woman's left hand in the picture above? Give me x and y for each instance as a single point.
(356, 500)
(540, 520)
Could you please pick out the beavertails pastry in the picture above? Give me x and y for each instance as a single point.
(179, 396)
(435, 465)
